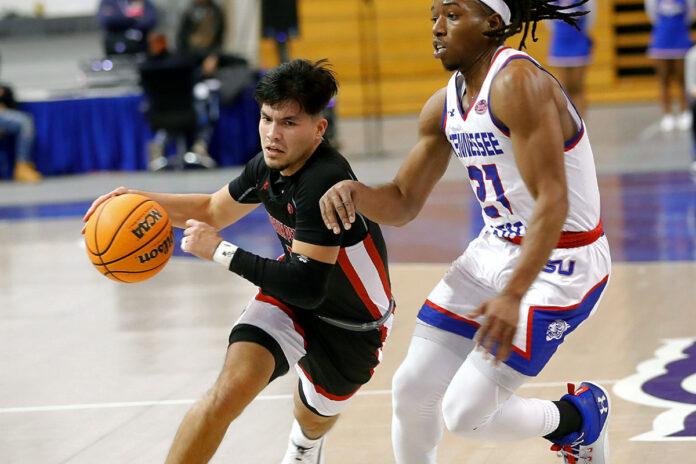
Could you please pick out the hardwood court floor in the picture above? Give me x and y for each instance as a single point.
(100, 372)
(97, 372)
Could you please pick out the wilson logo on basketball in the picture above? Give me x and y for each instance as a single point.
(161, 249)
(481, 107)
(146, 224)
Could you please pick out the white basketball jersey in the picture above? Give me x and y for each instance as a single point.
(483, 145)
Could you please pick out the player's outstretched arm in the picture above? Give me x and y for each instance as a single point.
(399, 201)
(218, 209)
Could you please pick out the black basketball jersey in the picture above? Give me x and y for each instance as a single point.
(359, 286)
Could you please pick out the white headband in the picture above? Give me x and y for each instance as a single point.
(500, 7)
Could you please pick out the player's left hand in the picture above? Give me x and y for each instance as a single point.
(200, 239)
(498, 330)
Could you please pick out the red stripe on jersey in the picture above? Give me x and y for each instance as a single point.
(379, 264)
(451, 314)
(571, 239)
(323, 392)
(384, 331)
(283, 307)
(357, 284)
(577, 140)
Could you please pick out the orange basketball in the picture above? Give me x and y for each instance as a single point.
(129, 238)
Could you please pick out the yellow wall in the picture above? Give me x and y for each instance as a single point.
(401, 49)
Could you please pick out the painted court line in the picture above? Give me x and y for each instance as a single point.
(138, 404)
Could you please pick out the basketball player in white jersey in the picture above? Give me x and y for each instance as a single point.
(539, 266)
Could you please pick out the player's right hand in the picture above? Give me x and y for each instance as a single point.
(337, 206)
(99, 201)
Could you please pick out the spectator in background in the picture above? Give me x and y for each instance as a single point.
(279, 22)
(20, 124)
(201, 33)
(160, 58)
(126, 24)
(668, 45)
(570, 52)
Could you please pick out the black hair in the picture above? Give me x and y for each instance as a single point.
(311, 85)
(527, 13)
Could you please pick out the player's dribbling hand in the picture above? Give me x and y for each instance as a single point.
(200, 239)
(498, 330)
(95, 204)
(337, 206)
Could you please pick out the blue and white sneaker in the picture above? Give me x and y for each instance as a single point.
(591, 444)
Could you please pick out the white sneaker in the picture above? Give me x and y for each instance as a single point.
(300, 455)
(667, 123)
(684, 121)
(591, 444)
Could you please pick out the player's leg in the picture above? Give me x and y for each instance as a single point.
(433, 357)
(247, 370)
(440, 344)
(338, 363)
(264, 342)
(308, 434)
(480, 402)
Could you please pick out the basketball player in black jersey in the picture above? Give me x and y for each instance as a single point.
(327, 293)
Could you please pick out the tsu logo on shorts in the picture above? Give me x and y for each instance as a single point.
(666, 381)
(556, 330)
(481, 107)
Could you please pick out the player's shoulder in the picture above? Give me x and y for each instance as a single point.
(256, 167)
(326, 160)
(430, 117)
(520, 78)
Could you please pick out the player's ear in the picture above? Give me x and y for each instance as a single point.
(494, 22)
(321, 126)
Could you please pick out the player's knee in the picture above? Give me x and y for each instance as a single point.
(413, 393)
(231, 394)
(460, 418)
(405, 388)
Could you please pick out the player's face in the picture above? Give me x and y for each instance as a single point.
(458, 27)
(289, 136)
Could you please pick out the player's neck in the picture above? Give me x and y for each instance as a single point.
(476, 72)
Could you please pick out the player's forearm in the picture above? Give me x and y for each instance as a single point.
(181, 207)
(541, 238)
(297, 280)
(385, 204)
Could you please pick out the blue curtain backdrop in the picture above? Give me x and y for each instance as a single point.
(111, 134)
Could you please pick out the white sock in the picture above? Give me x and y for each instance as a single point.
(299, 439)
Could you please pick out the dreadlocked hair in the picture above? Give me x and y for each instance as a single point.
(525, 14)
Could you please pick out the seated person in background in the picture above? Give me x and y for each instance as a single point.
(176, 103)
(126, 24)
(201, 33)
(21, 124)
